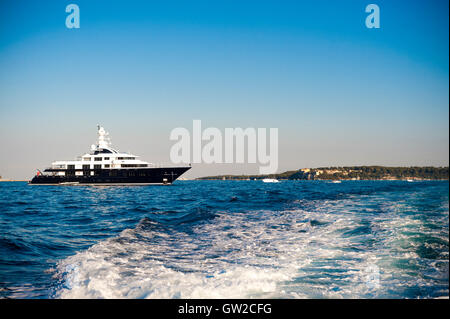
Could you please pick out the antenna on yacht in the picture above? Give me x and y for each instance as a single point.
(103, 139)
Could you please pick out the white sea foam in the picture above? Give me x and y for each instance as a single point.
(322, 251)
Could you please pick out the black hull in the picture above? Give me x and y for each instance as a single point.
(141, 176)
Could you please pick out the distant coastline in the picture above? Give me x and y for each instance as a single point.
(349, 173)
(2, 179)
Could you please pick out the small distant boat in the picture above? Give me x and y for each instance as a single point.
(410, 180)
(336, 182)
(270, 180)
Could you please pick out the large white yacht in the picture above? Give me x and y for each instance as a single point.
(104, 165)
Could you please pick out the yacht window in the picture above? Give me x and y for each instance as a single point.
(70, 166)
(98, 166)
(106, 165)
(106, 158)
(97, 159)
(86, 167)
(133, 165)
(86, 158)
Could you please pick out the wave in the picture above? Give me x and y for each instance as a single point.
(325, 249)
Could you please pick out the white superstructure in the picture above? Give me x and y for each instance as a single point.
(102, 156)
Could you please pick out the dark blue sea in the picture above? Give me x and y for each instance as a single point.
(226, 239)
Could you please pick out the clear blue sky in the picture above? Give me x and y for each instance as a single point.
(340, 94)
